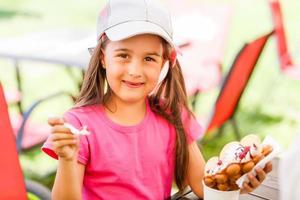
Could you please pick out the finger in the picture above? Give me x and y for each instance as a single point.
(261, 175)
(253, 181)
(246, 188)
(52, 121)
(62, 136)
(268, 168)
(60, 128)
(62, 143)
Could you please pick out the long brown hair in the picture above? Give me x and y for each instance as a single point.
(168, 100)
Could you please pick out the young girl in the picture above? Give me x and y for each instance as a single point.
(142, 134)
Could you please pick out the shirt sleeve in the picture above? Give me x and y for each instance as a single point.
(191, 126)
(83, 155)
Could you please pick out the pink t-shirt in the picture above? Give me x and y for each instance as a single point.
(126, 162)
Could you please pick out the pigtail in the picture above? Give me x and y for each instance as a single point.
(94, 84)
(168, 101)
(177, 87)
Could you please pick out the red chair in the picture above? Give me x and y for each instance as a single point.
(235, 83)
(13, 185)
(286, 62)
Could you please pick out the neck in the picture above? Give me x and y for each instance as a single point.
(125, 113)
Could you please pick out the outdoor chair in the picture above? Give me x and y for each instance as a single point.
(287, 65)
(13, 185)
(30, 134)
(235, 83)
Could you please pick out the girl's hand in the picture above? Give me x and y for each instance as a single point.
(65, 144)
(255, 181)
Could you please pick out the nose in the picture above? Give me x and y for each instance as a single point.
(134, 69)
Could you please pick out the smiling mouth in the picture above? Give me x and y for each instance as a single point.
(133, 84)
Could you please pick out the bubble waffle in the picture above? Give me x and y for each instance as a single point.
(236, 159)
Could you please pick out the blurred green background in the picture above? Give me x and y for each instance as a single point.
(270, 104)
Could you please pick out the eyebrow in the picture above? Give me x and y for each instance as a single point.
(148, 53)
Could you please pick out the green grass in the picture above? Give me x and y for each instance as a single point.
(32, 197)
(270, 104)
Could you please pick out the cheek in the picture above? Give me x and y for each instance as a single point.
(153, 74)
(114, 69)
(113, 75)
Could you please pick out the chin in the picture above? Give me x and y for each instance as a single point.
(133, 100)
(132, 97)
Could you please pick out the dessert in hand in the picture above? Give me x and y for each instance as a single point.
(235, 159)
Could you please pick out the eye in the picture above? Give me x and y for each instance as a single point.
(149, 59)
(123, 55)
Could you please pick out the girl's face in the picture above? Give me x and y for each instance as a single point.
(133, 66)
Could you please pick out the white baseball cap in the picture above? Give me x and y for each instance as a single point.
(122, 19)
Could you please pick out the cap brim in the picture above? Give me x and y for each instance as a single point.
(133, 28)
